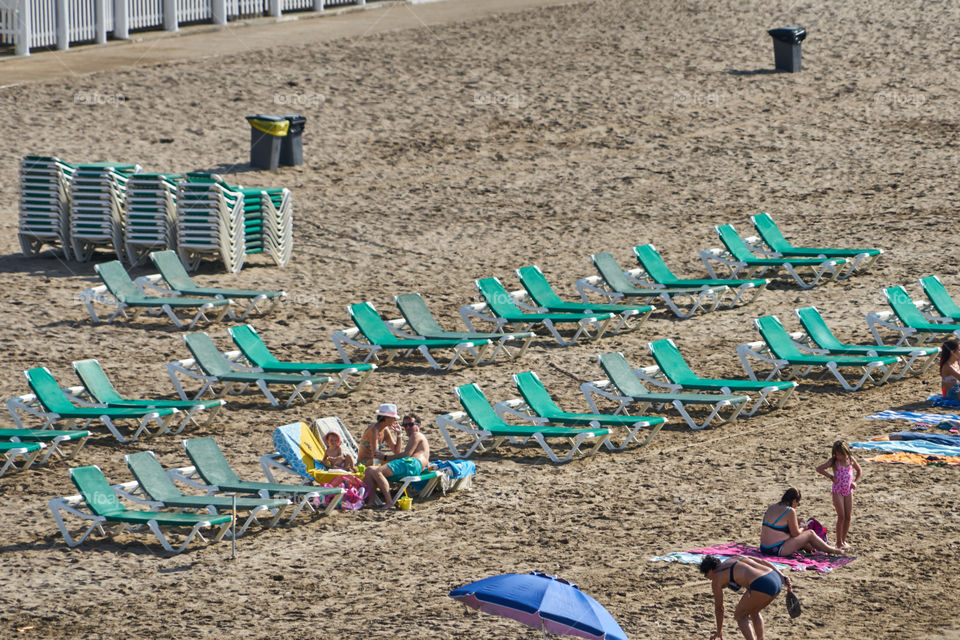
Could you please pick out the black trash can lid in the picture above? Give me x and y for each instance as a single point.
(274, 125)
(791, 35)
(296, 121)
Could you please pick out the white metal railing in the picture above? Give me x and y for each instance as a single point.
(30, 24)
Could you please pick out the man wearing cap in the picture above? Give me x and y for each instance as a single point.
(411, 461)
(384, 431)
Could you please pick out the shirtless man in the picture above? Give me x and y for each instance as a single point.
(414, 458)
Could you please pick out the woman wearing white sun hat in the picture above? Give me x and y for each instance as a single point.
(385, 431)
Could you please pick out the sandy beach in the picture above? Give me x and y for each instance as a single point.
(466, 148)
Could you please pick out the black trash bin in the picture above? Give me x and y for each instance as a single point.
(266, 136)
(291, 146)
(786, 47)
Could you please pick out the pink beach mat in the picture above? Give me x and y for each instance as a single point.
(821, 563)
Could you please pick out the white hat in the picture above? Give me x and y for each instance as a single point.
(389, 410)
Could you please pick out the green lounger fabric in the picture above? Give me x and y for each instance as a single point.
(740, 251)
(212, 362)
(543, 294)
(815, 326)
(500, 302)
(253, 348)
(415, 311)
(170, 267)
(781, 345)
(774, 238)
(372, 326)
(609, 269)
(51, 396)
(940, 298)
(115, 277)
(651, 261)
(98, 385)
(478, 408)
(622, 376)
(672, 364)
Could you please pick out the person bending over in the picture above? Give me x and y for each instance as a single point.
(762, 580)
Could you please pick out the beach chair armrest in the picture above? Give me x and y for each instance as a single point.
(471, 312)
(151, 285)
(595, 285)
(190, 477)
(517, 408)
(653, 375)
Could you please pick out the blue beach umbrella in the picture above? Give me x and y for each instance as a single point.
(543, 602)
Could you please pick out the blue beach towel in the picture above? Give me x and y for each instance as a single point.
(938, 400)
(913, 416)
(910, 446)
(937, 438)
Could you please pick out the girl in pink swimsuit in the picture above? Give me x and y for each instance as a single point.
(846, 474)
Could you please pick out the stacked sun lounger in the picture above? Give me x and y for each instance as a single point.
(268, 223)
(44, 204)
(97, 205)
(151, 215)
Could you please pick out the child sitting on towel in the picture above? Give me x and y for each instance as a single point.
(335, 457)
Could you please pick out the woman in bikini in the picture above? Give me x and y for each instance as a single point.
(950, 369)
(763, 583)
(781, 533)
(384, 431)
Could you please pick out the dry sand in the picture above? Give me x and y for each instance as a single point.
(436, 156)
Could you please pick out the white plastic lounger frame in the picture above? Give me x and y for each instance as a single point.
(783, 370)
(654, 376)
(188, 368)
(28, 405)
(190, 477)
(858, 263)
(826, 270)
(349, 379)
(907, 336)
(151, 285)
(100, 294)
(133, 492)
(605, 389)
(354, 339)
(24, 455)
(53, 447)
(70, 505)
(459, 421)
(707, 300)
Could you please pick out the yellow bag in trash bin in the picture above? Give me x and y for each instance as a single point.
(278, 128)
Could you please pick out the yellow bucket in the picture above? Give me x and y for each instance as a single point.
(406, 502)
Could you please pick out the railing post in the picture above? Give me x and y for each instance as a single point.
(63, 22)
(274, 8)
(318, 5)
(121, 19)
(170, 17)
(219, 10)
(23, 35)
(100, 20)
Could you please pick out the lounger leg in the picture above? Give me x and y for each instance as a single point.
(266, 392)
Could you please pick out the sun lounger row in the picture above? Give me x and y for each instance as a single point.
(914, 321)
(99, 506)
(128, 299)
(21, 448)
(82, 208)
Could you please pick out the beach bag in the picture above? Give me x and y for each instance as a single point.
(355, 493)
(817, 528)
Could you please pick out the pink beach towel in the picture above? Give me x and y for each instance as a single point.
(799, 561)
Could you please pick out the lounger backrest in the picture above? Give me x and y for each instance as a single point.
(939, 296)
(415, 311)
(248, 341)
(651, 261)
(902, 305)
(815, 326)
(154, 481)
(96, 491)
(621, 374)
(299, 447)
(333, 424)
(734, 243)
(209, 461)
(497, 297)
(776, 337)
(370, 324)
(205, 352)
(671, 362)
(168, 264)
(117, 280)
(95, 381)
(537, 286)
(477, 406)
(48, 392)
(770, 232)
(535, 394)
(611, 272)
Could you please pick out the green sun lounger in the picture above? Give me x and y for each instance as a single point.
(542, 407)
(212, 467)
(51, 404)
(503, 311)
(25, 452)
(50, 438)
(349, 376)
(624, 387)
(738, 258)
(613, 283)
(418, 317)
(788, 361)
(857, 259)
(98, 385)
(481, 423)
(672, 366)
(125, 296)
(940, 298)
(382, 340)
(658, 271)
(211, 368)
(175, 275)
(105, 509)
(821, 337)
(538, 287)
(907, 321)
(155, 485)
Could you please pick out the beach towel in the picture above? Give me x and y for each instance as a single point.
(796, 562)
(915, 458)
(938, 400)
(910, 446)
(938, 438)
(914, 416)
(461, 468)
